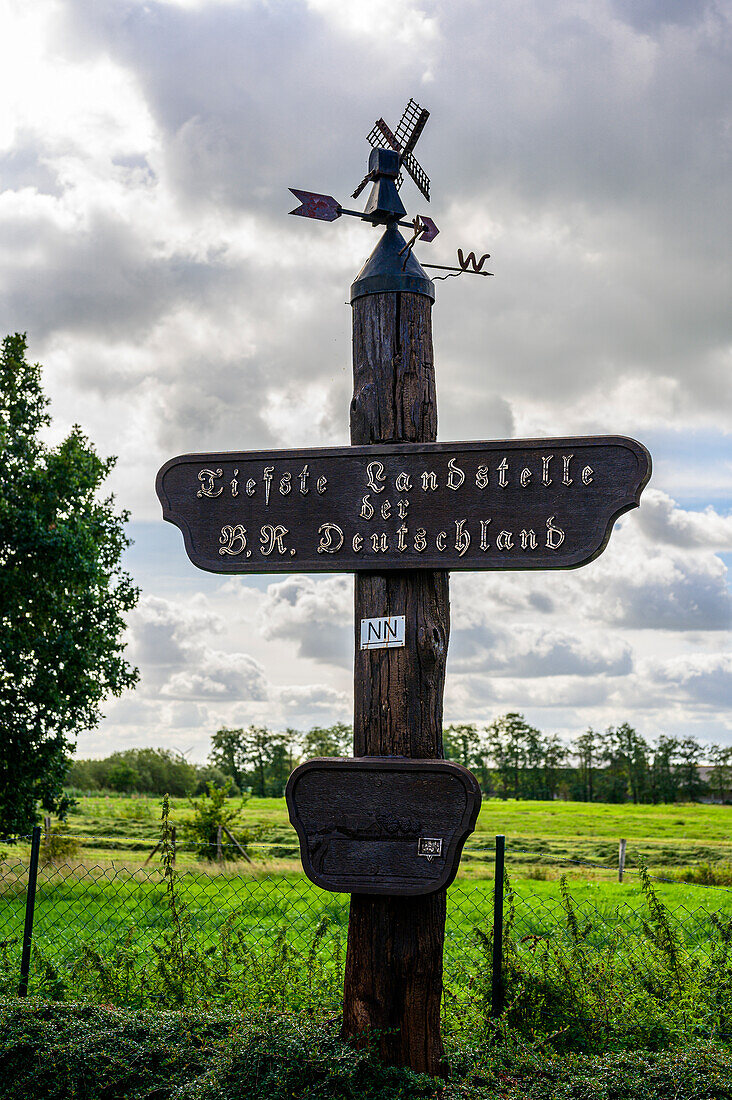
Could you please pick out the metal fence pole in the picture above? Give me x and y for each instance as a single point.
(621, 859)
(497, 977)
(30, 905)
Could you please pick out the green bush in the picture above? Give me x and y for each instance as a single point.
(88, 1052)
(58, 847)
(707, 874)
(633, 990)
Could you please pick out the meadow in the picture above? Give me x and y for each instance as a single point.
(580, 947)
(555, 836)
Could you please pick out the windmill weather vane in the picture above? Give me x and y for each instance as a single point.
(392, 265)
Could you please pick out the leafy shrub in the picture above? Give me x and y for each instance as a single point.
(707, 874)
(97, 1053)
(634, 989)
(57, 846)
(211, 812)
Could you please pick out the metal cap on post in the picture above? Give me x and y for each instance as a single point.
(392, 266)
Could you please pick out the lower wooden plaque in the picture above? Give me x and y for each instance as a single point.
(382, 824)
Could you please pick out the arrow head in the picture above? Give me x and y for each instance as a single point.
(429, 229)
(324, 208)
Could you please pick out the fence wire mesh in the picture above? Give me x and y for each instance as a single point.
(115, 893)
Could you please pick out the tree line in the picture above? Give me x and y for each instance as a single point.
(510, 758)
(513, 759)
(254, 759)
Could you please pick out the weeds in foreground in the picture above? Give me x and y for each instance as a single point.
(583, 989)
(586, 985)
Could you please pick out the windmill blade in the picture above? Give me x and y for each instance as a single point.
(411, 125)
(418, 174)
(416, 132)
(380, 134)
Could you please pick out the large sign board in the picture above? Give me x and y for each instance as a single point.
(382, 824)
(512, 504)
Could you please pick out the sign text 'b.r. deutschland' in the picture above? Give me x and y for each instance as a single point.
(515, 504)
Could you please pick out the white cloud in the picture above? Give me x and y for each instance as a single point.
(145, 154)
(661, 520)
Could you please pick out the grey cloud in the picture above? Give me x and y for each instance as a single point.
(218, 676)
(687, 596)
(100, 279)
(564, 656)
(534, 652)
(703, 678)
(303, 701)
(662, 520)
(24, 165)
(315, 613)
(162, 632)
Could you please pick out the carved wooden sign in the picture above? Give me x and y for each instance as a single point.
(382, 824)
(515, 504)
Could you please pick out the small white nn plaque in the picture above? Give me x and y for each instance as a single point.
(386, 633)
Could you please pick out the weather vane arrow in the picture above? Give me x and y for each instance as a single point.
(392, 154)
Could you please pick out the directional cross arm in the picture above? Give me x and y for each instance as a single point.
(323, 208)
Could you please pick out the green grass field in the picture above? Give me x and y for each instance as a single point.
(553, 835)
(109, 897)
(107, 886)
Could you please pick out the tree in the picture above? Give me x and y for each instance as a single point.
(255, 757)
(123, 777)
(212, 812)
(227, 753)
(663, 776)
(627, 753)
(587, 750)
(691, 785)
(336, 740)
(513, 744)
(146, 771)
(63, 595)
(554, 759)
(461, 743)
(720, 757)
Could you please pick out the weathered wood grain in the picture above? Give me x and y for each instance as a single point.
(505, 504)
(393, 981)
(382, 825)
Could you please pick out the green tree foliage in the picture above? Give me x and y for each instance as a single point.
(211, 812)
(720, 758)
(691, 785)
(63, 595)
(664, 781)
(227, 754)
(587, 751)
(461, 743)
(261, 759)
(527, 762)
(626, 754)
(142, 771)
(336, 740)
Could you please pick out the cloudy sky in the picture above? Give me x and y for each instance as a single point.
(146, 149)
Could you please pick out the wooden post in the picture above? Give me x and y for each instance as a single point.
(393, 981)
(621, 859)
(219, 847)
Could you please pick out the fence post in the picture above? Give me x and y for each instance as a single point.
(497, 976)
(30, 905)
(621, 859)
(219, 849)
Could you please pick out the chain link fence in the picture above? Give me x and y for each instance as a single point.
(114, 892)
